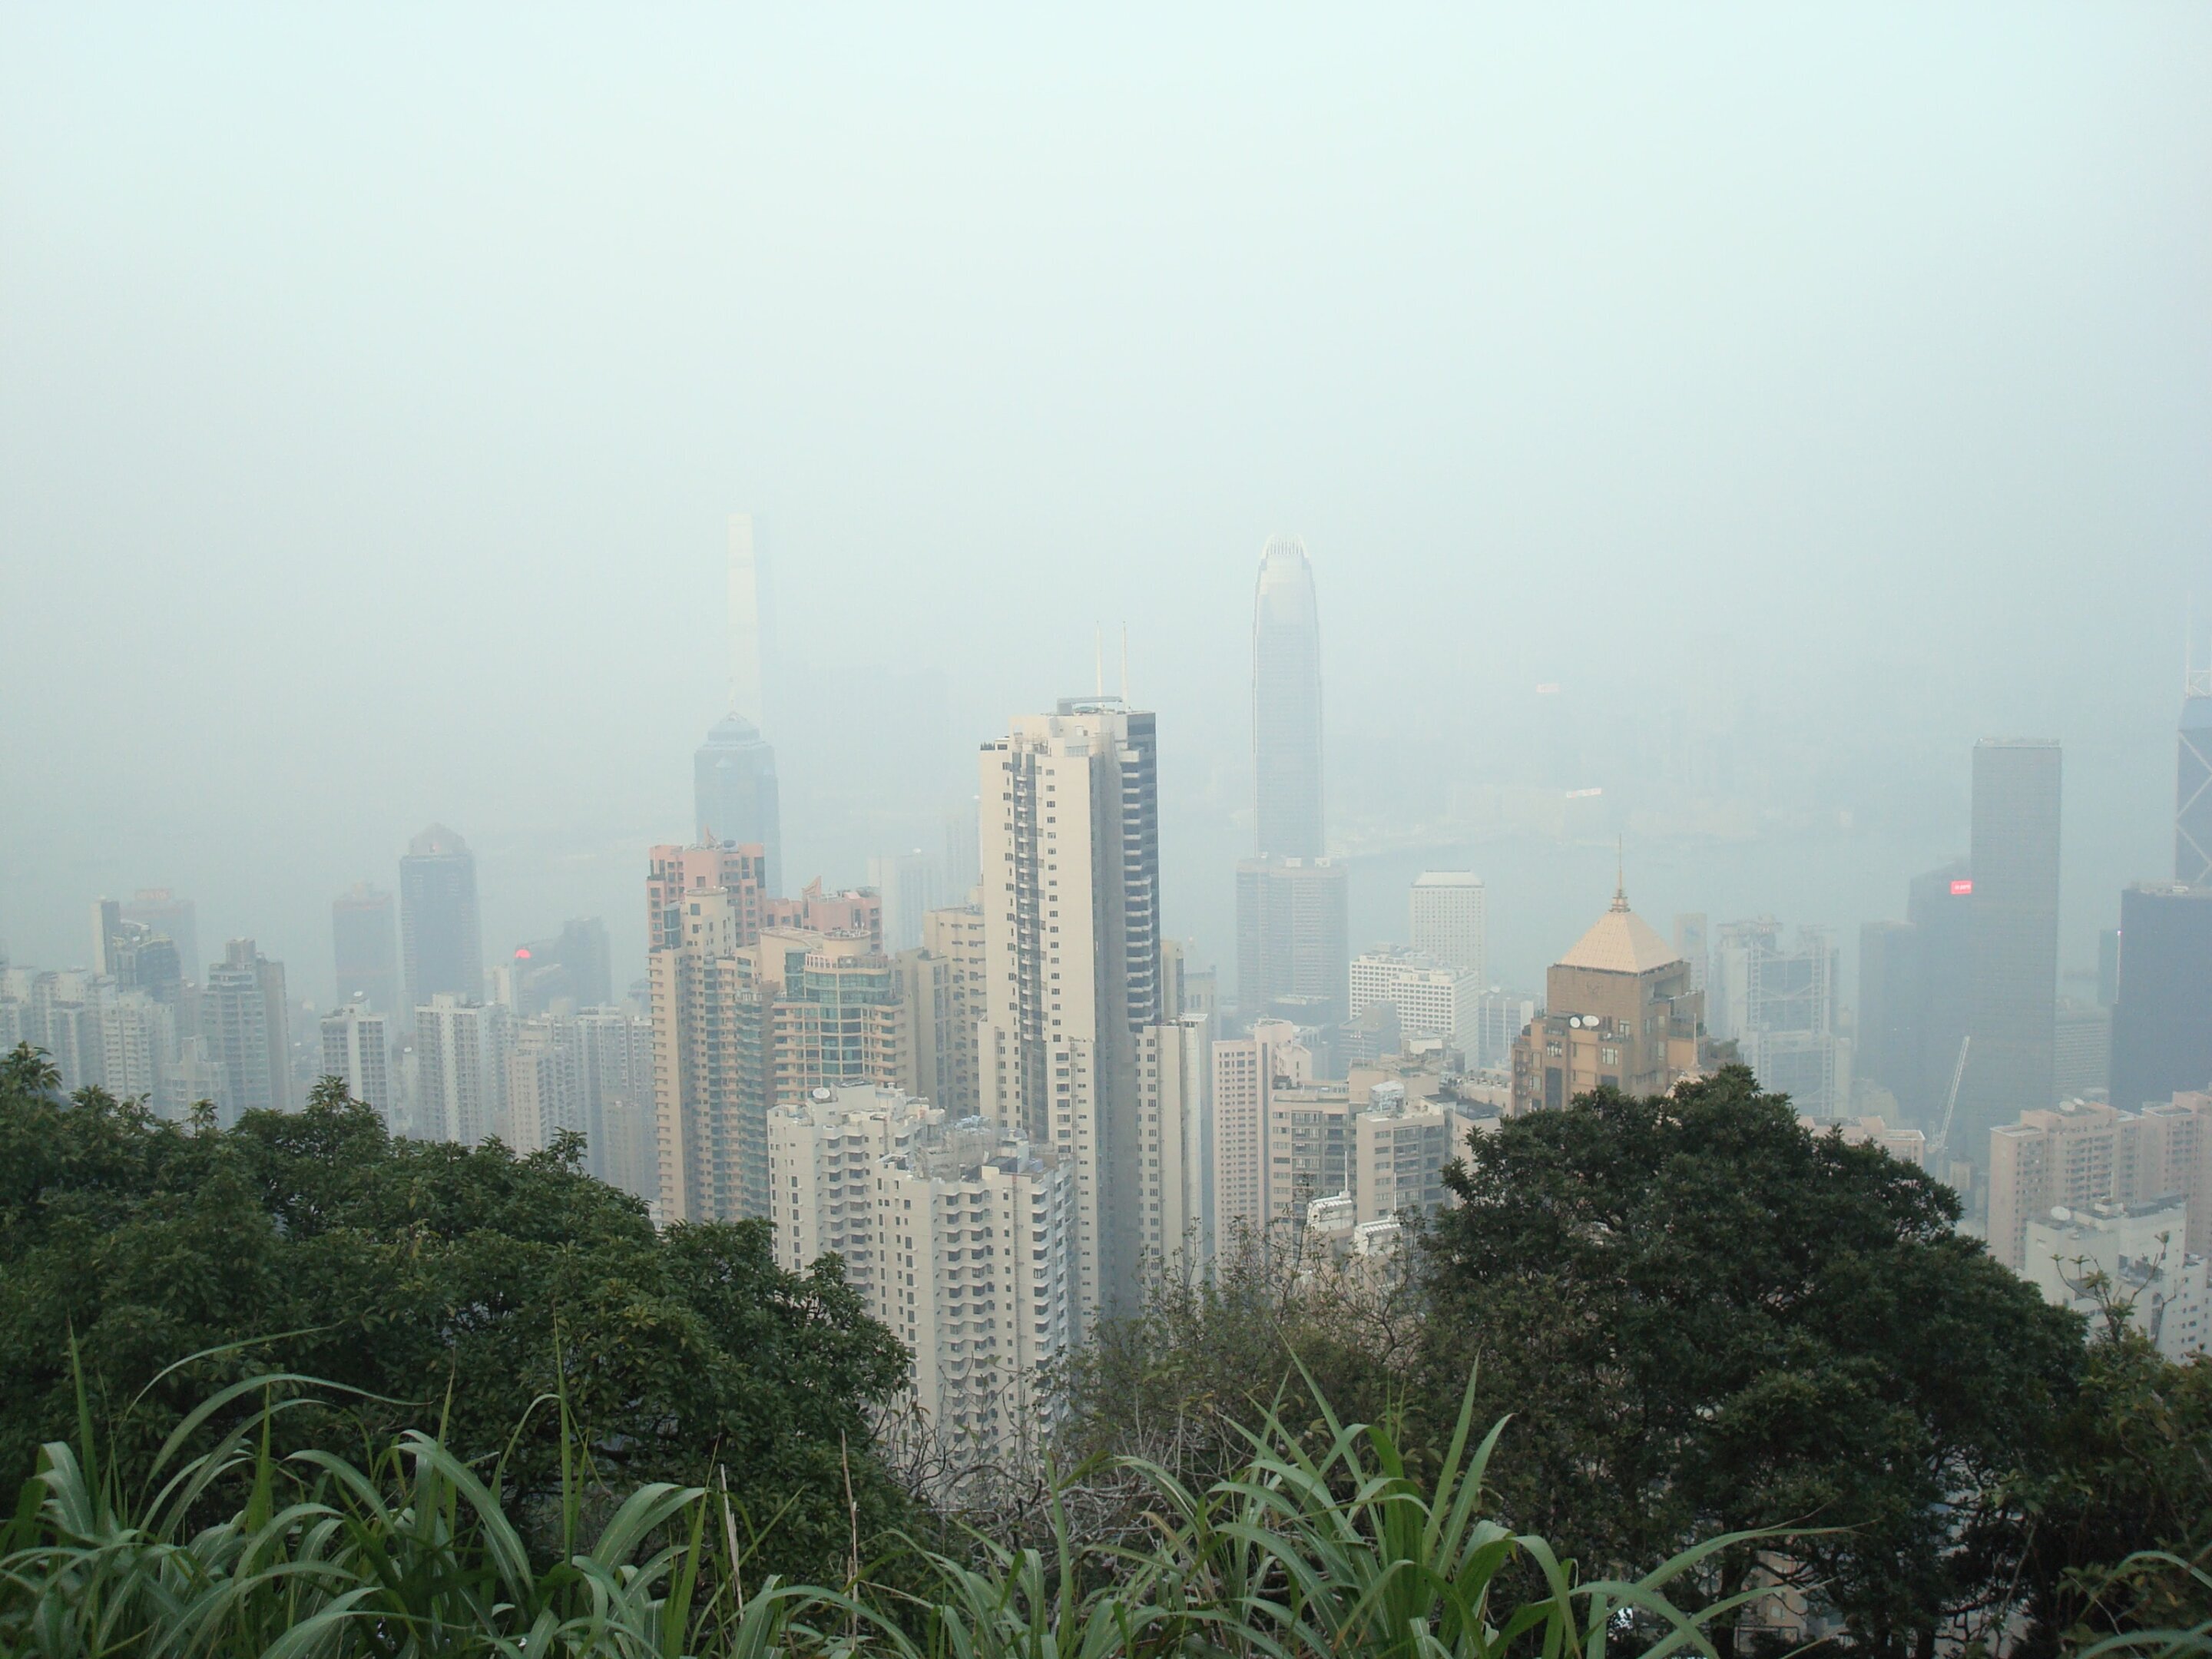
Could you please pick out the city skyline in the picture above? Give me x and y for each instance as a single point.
(1897, 487)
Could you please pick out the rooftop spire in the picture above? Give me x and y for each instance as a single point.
(1619, 873)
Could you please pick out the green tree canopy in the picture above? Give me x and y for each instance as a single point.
(1706, 1319)
(449, 1277)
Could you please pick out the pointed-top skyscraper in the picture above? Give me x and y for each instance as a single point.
(1286, 703)
(2192, 783)
(1292, 962)
(734, 791)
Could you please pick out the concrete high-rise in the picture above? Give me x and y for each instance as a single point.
(1286, 721)
(909, 886)
(245, 1020)
(959, 1236)
(2087, 1152)
(954, 935)
(734, 792)
(1247, 1073)
(1448, 910)
(193, 1076)
(2162, 1021)
(704, 904)
(357, 1049)
(1070, 896)
(139, 1040)
(365, 946)
(752, 1007)
(441, 936)
(461, 1051)
(1293, 956)
(1175, 1162)
(2012, 1003)
(1434, 999)
(615, 1061)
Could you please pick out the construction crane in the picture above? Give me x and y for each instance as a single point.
(1951, 1105)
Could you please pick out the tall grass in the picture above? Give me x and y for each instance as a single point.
(1338, 1552)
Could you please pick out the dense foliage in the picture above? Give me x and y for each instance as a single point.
(1334, 1553)
(1717, 1321)
(299, 1387)
(446, 1284)
(1704, 1320)
(2135, 1478)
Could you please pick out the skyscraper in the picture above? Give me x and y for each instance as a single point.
(564, 973)
(1779, 1006)
(703, 906)
(1286, 743)
(159, 909)
(245, 1020)
(441, 937)
(1935, 978)
(365, 944)
(734, 791)
(461, 1051)
(1291, 951)
(1071, 919)
(734, 784)
(908, 884)
(2162, 1023)
(357, 1048)
(2192, 784)
(2012, 1003)
(1293, 957)
(1449, 914)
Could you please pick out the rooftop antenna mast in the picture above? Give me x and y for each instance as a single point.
(1098, 660)
(2195, 682)
(1125, 665)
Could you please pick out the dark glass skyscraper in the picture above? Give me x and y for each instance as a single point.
(441, 937)
(2162, 1023)
(734, 793)
(1286, 703)
(365, 946)
(2012, 1005)
(1940, 907)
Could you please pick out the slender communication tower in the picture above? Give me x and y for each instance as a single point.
(748, 621)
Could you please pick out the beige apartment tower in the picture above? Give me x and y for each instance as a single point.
(1070, 897)
(2087, 1153)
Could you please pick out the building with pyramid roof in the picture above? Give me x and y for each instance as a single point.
(1621, 1011)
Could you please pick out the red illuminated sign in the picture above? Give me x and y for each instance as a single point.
(1961, 888)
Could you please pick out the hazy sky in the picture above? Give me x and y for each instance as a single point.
(374, 388)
